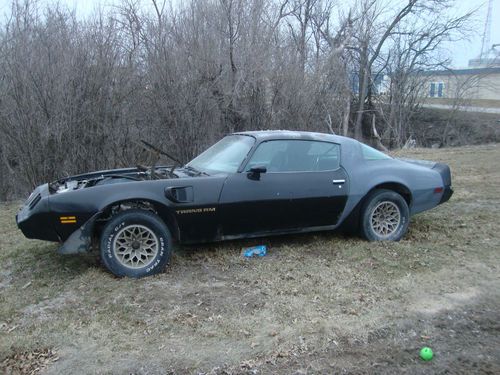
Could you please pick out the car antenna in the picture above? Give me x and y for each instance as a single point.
(161, 152)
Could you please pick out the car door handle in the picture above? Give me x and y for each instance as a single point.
(338, 182)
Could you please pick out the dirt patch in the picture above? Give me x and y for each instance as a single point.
(317, 303)
(49, 308)
(465, 340)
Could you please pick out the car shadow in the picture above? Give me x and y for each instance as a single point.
(277, 241)
(41, 260)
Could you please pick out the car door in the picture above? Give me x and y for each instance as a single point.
(303, 186)
(255, 203)
(320, 193)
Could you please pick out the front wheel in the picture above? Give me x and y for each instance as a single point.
(135, 243)
(384, 216)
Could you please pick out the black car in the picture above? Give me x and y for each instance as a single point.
(248, 184)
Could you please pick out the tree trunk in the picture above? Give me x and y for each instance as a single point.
(363, 81)
(347, 113)
(377, 142)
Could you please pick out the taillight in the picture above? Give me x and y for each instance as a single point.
(438, 190)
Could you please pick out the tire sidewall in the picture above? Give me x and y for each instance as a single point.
(135, 217)
(373, 200)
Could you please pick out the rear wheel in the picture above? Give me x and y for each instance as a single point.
(384, 216)
(135, 243)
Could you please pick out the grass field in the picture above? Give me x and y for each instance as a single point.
(317, 303)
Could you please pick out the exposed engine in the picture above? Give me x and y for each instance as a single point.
(110, 177)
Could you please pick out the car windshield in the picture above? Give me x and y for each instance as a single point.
(224, 156)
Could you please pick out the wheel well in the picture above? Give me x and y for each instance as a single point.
(398, 188)
(351, 223)
(144, 204)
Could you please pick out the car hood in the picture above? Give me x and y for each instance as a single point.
(119, 175)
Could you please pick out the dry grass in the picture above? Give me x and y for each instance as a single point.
(214, 311)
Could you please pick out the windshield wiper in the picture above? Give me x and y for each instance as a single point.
(195, 171)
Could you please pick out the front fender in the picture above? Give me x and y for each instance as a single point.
(87, 204)
(81, 239)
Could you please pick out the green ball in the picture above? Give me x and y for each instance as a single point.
(426, 353)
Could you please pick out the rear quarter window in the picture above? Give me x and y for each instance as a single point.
(369, 153)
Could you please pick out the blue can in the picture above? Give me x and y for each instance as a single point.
(256, 251)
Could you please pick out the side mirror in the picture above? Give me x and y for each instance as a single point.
(254, 173)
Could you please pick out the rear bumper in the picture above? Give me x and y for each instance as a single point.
(448, 192)
(445, 172)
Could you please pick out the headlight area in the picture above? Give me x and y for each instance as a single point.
(34, 218)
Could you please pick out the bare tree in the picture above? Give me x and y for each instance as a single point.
(76, 94)
(413, 51)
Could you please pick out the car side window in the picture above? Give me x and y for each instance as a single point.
(296, 156)
(326, 155)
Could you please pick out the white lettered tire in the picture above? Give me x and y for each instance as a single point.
(135, 243)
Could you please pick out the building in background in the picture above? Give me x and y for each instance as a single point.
(475, 86)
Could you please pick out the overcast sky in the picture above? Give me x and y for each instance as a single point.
(460, 52)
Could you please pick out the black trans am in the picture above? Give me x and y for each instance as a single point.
(248, 184)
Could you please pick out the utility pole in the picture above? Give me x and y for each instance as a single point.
(485, 45)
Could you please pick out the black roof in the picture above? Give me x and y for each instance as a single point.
(290, 134)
